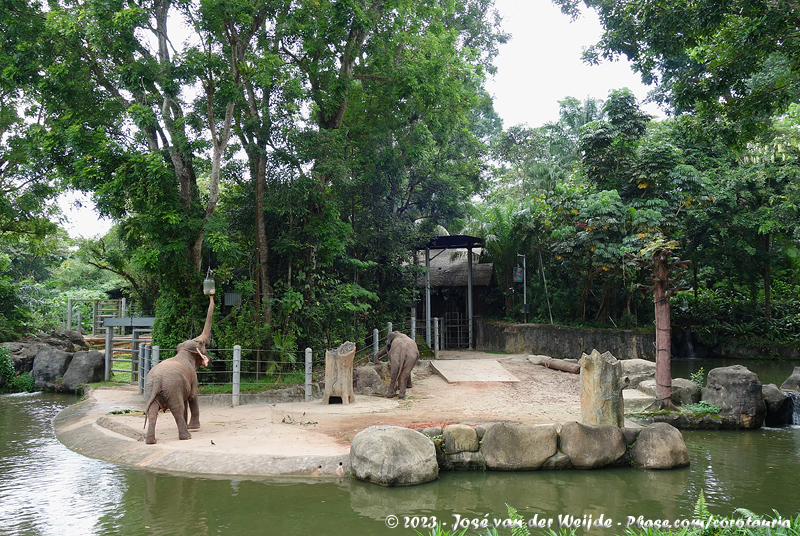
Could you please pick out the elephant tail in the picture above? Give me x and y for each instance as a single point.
(153, 392)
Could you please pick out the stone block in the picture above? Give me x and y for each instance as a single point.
(592, 446)
(460, 438)
(513, 447)
(393, 456)
(660, 446)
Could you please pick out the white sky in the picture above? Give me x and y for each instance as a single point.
(539, 66)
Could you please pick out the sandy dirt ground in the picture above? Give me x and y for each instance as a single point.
(540, 396)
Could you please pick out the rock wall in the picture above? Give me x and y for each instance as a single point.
(562, 341)
(393, 456)
(58, 361)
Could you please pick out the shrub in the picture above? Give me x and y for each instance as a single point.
(12, 382)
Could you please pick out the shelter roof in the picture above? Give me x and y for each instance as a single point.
(453, 242)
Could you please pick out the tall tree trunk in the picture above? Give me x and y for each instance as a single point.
(663, 330)
(265, 288)
(767, 275)
(587, 289)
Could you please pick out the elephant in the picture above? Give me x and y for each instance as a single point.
(172, 384)
(403, 354)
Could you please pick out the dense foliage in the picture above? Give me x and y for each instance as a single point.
(304, 150)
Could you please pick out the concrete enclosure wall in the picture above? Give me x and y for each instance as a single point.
(562, 341)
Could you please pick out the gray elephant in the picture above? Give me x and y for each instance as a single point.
(172, 384)
(403, 354)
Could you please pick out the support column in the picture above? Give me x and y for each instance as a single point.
(236, 380)
(469, 294)
(109, 352)
(428, 296)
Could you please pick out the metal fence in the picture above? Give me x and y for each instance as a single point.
(229, 373)
(79, 310)
(237, 370)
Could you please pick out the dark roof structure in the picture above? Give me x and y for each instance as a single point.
(449, 268)
(452, 273)
(453, 242)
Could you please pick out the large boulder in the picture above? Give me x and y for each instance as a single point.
(660, 446)
(393, 456)
(368, 380)
(69, 336)
(792, 383)
(683, 391)
(513, 447)
(49, 368)
(638, 370)
(591, 447)
(85, 367)
(23, 352)
(779, 407)
(738, 393)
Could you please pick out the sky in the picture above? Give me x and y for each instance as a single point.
(540, 65)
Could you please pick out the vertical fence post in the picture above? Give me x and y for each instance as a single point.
(140, 355)
(69, 314)
(436, 338)
(154, 356)
(237, 374)
(109, 352)
(413, 328)
(308, 375)
(145, 349)
(389, 328)
(136, 351)
(375, 340)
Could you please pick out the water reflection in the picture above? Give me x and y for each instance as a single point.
(47, 489)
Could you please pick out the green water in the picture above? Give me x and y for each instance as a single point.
(47, 489)
(768, 370)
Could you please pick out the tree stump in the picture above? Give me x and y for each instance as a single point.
(601, 389)
(339, 375)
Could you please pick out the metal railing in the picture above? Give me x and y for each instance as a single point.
(237, 370)
(225, 371)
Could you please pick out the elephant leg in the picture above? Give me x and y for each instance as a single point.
(394, 371)
(178, 409)
(194, 405)
(405, 376)
(152, 417)
(402, 385)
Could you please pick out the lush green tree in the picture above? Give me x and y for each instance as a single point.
(736, 60)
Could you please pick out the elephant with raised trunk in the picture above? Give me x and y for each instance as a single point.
(172, 384)
(403, 354)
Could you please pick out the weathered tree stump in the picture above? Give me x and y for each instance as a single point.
(601, 389)
(339, 374)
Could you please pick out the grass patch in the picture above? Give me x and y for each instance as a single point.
(121, 377)
(266, 383)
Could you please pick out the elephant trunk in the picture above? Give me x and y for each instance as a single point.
(206, 335)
